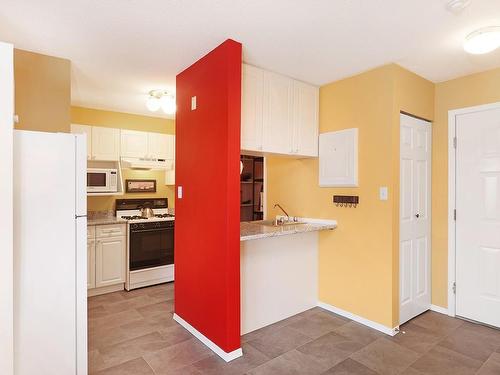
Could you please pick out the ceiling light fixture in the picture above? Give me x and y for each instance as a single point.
(161, 99)
(456, 6)
(483, 40)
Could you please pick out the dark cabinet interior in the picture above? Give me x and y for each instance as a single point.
(251, 188)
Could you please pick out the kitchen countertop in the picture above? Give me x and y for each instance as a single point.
(254, 230)
(103, 218)
(106, 221)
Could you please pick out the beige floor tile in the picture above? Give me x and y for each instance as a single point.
(175, 334)
(130, 304)
(113, 320)
(279, 341)
(358, 332)
(330, 349)
(350, 367)
(491, 366)
(318, 324)
(163, 307)
(442, 361)
(147, 325)
(177, 356)
(214, 365)
(134, 367)
(439, 323)
(471, 342)
(416, 338)
(133, 348)
(104, 299)
(289, 363)
(270, 328)
(385, 357)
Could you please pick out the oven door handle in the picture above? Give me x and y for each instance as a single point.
(149, 230)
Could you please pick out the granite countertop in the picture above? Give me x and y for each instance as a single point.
(106, 221)
(103, 218)
(254, 230)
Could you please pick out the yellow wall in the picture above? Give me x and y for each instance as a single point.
(356, 261)
(42, 92)
(111, 119)
(475, 89)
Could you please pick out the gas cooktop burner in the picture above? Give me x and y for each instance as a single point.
(164, 215)
(134, 217)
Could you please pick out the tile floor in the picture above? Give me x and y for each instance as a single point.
(133, 333)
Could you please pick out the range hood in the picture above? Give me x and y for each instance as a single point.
(147, 164)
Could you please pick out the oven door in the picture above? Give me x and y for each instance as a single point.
(151, 247)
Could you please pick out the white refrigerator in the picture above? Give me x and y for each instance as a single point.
(50, 253)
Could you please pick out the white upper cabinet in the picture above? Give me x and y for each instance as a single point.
(251, 107)
(134, 144)
(87, 130)
(105, 143)
(102, 143)
(305, 118)
(278, 114)
(161, 146)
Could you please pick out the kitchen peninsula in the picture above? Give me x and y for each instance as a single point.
(279, 270)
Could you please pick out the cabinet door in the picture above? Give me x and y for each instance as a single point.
(161, 146)
(251, 108)
(305, 119)
(105, 144)
(110, 261)
(134, 144)
(90, 264)
(87, 130)
(277, 114)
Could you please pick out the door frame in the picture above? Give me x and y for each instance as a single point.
(452, 186)
(431, 307)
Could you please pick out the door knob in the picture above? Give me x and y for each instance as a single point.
(417, 215)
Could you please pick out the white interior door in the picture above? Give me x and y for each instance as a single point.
(478, 216)
(415, 218)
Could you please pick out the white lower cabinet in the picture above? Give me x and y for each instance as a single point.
(109, 261)
(106, 256)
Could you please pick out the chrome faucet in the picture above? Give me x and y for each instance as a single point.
(282, 209)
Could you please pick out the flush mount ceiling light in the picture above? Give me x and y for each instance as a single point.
(456, 6)
(483, 40)
(161, 99)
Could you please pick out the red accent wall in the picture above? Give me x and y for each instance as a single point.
(207, 228)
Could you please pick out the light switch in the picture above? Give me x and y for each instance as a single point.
(383, 193)
(179, 192)
(193, 103)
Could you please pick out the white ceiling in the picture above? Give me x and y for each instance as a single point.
(121, 49)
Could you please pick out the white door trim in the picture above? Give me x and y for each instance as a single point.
(452, 196)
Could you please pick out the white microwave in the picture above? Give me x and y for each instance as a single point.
(100, 180)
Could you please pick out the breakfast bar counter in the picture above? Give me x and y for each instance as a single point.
(255, 230)
(279, 270)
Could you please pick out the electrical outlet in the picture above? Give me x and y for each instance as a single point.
(193, 103)
(179, 192)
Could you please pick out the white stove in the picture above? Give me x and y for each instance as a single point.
(150, 242)
(134, 216)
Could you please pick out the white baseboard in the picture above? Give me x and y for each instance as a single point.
(439, 309)
(359, 319)
(210, 344)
